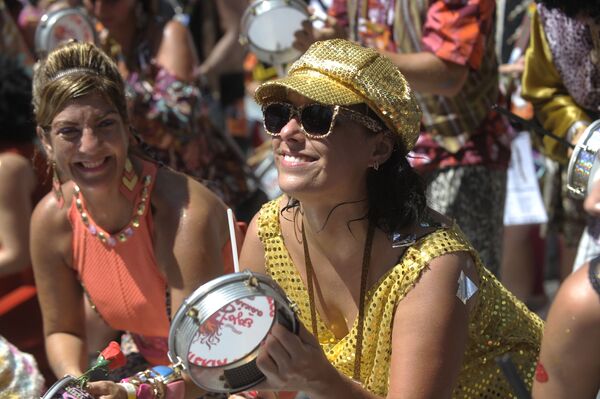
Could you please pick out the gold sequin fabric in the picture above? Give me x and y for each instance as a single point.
(499, 323)
(340, 72)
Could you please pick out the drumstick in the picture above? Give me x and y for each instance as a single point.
(236, 265)
(509, 370)
(530, 125)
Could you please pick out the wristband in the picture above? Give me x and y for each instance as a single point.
(130, 389)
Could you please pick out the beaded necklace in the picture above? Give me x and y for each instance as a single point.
(361, 305)
(122, 236)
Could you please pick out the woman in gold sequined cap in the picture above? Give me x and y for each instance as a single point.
(393, 299)
(337, 72)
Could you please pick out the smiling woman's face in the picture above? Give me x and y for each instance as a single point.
(88, 141)
(335, 166)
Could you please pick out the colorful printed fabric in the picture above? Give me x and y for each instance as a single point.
(19, 375)
(458, 31)
(488, 146)
(171, 117)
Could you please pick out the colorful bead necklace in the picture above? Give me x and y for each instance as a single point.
(112, 239)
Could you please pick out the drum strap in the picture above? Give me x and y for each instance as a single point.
(363, 290)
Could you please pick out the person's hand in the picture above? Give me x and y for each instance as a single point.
(106, 390)
(306, 36)
(575, 135)
(293, 362)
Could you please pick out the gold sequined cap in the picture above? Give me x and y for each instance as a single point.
(339, 72)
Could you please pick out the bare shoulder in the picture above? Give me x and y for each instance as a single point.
(51, 220)
(15, 167)
(174, 31)
(175, 193)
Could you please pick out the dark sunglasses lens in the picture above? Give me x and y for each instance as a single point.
(276, 117)
(316, 119)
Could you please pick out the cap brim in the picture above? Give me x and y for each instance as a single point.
(312, 84)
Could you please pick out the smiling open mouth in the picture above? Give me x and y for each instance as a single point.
(91, 165)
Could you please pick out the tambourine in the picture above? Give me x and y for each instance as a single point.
(268, 28)
(62, 25)
(216, 333)
(66, 388)
(583, 167)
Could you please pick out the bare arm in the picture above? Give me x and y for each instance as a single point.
(18, 181)
(228, 54)
(253, 253)
(571, 344)
(59, 292)
(427, 73)
(176, 52)
(189, 242)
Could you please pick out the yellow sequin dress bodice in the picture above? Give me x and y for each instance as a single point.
(498, 324)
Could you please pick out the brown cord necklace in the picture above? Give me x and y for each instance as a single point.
(363, 290)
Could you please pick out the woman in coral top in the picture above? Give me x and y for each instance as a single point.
(134, 236)
(394, 300)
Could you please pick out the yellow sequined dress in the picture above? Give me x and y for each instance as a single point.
(499, 323)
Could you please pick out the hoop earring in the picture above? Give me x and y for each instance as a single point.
(376, 166)
(57, 186)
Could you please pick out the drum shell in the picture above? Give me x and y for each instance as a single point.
(207, 300)
(583, 165)
(258, 7)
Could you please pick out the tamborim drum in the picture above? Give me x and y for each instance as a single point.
(584, 164)
(268, 28)
(218, 329)
(62, 25)
(66, 388)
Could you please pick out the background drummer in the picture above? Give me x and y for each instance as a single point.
(566, 98)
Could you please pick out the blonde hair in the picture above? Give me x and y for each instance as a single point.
(71, 71)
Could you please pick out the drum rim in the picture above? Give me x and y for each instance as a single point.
(55, 388)
(207, 288)
(575, 190)
(274, 57)
(48, 21)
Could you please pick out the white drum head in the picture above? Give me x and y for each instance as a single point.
(269, 25)
(62, 25)
(232, 332)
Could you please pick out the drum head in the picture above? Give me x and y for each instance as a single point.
(62, 25)
(269, 26)
(232, 332)
(218, 329)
